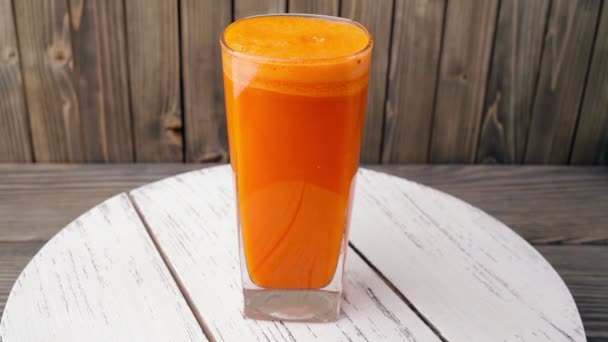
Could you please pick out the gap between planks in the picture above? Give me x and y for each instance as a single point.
(199, 317)
(399, 294)
(178, 282)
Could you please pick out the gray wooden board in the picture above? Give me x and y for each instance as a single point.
(513, 74)
(561, 82)
(415, 52)
(375, 16)
(326, 7)
(100, 63)
(467, 44)
(246, 8)
(591, 141)
(15, 143)
(154, 79)
(45, 48)
(204, 108)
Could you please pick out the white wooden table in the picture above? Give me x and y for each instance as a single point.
(160, 264)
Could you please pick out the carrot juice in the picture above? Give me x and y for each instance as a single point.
(296, 90)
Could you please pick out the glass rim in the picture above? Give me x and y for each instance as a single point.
(281, 60)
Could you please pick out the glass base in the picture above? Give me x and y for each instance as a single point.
(292, 305)
(314, 305)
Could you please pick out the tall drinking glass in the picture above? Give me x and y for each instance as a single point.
(296, 89)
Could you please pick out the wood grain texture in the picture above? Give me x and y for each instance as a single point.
(525, 198)
(100, 61)
(14, 256)
(326, 7)
(591, 142)
(513, 73)
(561, 81)
(68, 94)
(498, 188)
(246, 8)
(375, 15)
(371, 310)
(467, 44)
(100, 279)
(585, 271)
(46, 58)
(15, 143)
(445, 239)
(463, 270)
(55, 194)
(582, 268)
(154, 70)
(415, 56)
(205, 115)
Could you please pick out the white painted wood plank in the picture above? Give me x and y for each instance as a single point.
(99, 279)
(192, 216)
(466, 272)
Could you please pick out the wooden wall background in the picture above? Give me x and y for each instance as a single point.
(454, 81)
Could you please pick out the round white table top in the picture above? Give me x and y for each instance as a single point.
(161, 264)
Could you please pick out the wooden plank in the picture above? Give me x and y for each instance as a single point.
(415, 54)
(100, 61)
(467, 43)
(14, 256)
(326, 7)
(371, 312)
(591, 142)
(582, 268)
(46, 55)
(513, 73)
(468, 274)
(55, 194)
(525, 198)
(246, 8)
(153, 52)
(477, 184)
(561, 81)
(375, 16)
(205, 116)
(100, 279)
(14, 132)
(585, 271)
(501, 191)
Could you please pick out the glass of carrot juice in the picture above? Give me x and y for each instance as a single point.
(296, 90)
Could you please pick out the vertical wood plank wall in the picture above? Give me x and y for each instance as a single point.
(100, 61)
(153, 47)
(463, 69)
(511, 85)
(561, 82)
(14, 131)
(458, 81)
(47, 65)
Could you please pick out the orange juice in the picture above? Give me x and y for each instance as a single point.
(296, 90)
